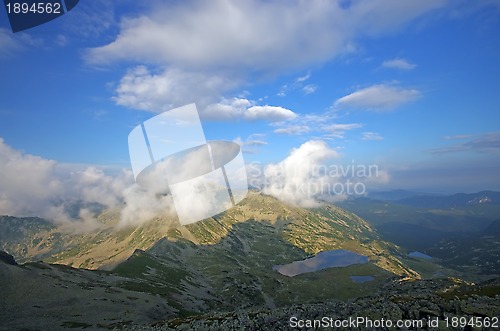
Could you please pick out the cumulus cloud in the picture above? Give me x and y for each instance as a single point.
(144, 90)
(398, 63)
(73, 196)
(69, 195)
(157, 92)
(271, 113)
(313, 174)
(209, 48)
(252, 34)
(141, 205)
(294, 180)
(240, 108)
(378, 97)
(33, 186)
(38, 181)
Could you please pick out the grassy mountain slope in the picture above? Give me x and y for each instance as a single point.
(227, 261)
(311, 231)
(221, 264)
(41, 296)
(33, 239)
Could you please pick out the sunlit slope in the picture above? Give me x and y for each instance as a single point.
(33, 239)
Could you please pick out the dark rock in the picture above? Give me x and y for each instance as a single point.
(7, 258)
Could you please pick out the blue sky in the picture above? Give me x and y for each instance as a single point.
(410, 86)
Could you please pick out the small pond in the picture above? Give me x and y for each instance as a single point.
(322, 260)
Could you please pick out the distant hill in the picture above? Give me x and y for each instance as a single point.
(452, 201)
(461, 229)
(393, 195)
(468, 219)
(19, 235)
(493, 229)
(476, 253)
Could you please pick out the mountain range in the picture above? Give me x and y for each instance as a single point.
(172, 275)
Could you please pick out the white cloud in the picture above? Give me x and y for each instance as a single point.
(398, 64)
(11, 43)
(371, 136)
(239, 108)
(141, 89)
(141, 205)
(322, 124)
(378, 98)
(303, 78)
(298, 84)
(293, 130)
(312, 174)
(251, 34)
(256, 143)
(64, 194)
(227, 109)
(38, 181)
(338, 130)
(213, 47)
(459, 136)
(252, 144)
(294, 180)
(33, 186)
(304, 123)
(256, 35)
(8, 43)
(309, 89)
(482, 143)
(91, 19)
(270, 113)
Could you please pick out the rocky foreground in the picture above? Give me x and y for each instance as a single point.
(444, 303)
(40, 296)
